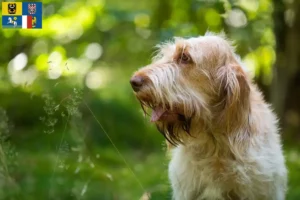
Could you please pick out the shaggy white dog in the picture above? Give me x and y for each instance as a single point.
(222, 135)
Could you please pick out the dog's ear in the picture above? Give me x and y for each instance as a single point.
(234, 95)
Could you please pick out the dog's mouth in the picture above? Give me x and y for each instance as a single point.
(161, 114)
(170, 121)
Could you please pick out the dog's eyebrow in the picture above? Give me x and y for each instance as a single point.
(183, 48)
(182, 51)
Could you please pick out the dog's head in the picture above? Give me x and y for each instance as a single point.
(12, 8)
(193, 81)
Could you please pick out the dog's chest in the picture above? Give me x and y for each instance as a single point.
(208, 177)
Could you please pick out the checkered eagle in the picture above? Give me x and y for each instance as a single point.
(31, 8)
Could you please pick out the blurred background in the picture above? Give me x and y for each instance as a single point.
(70, 126)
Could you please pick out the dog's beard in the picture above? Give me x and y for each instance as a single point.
(171, 124)
(173, 131)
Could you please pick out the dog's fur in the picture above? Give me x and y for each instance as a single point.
(223, 136)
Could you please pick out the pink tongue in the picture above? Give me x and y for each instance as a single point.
(157, 113)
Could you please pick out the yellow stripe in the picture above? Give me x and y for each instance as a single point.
(5, 8)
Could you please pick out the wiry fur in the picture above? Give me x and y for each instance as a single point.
(225, 142)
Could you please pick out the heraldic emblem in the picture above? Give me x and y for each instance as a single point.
(31, 8)
(12, 7)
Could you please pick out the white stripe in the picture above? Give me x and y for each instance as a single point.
(24, 21)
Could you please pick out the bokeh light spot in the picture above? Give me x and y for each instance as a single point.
(236, 18)
(93, 51)
(20, 61)
(96, 79)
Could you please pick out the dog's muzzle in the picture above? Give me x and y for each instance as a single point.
(137, 82)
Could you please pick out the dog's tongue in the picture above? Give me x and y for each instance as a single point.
(159, 114)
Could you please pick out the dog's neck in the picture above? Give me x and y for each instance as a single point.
(217, 141)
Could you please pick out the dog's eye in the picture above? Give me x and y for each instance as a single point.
(184, 58)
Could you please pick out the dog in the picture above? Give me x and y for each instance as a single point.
(223, 137)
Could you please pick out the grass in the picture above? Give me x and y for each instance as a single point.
(101, 174)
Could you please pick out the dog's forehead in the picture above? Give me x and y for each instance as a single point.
(167, 49)
(187, 41)
(205, 39)
(194, 40)
(201, 41)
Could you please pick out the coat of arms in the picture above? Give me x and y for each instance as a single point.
(31, 8)
(12, 7)
(33, 22)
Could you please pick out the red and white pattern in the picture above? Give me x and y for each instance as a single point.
(32, 8)
(26, 21)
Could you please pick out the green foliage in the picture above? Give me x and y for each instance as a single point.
(8, 160)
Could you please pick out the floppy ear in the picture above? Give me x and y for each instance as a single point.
(234, 92)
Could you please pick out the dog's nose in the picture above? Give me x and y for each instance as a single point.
(136, 83)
